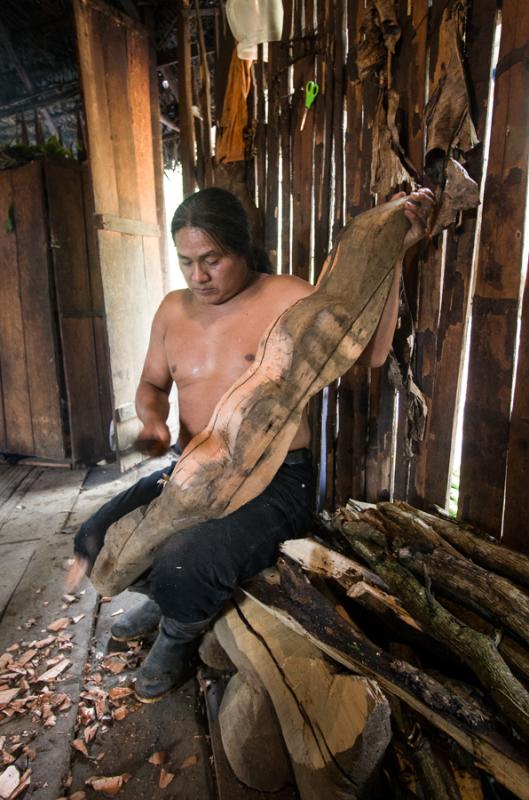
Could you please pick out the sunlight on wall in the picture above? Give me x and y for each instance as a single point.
(173, 195)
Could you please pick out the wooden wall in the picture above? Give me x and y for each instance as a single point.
(325, 171)
(403, 86)
(54, 381)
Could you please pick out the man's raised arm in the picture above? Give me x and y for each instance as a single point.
(417, 210)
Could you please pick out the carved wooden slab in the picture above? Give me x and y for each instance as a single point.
(236, 456)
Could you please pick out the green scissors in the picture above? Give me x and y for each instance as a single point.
(311, 92)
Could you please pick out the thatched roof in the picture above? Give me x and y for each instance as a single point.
(40, 92)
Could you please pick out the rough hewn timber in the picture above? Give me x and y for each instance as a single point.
(251, 429)
(335, 725)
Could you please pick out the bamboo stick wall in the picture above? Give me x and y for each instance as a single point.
(368, 62)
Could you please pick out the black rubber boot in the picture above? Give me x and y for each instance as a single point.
(171, 660)
(137, 623)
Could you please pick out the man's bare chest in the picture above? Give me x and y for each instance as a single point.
(213, 350)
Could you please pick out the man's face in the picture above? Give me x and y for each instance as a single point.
(212, 276)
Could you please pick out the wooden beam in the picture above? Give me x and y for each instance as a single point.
(45, 97)
(134, 227)
(5, 39)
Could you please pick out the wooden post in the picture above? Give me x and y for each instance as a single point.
(185, 98)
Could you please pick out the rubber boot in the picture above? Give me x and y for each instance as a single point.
(171, 660)
(137, 623)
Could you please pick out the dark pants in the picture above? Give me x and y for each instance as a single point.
(197, 569)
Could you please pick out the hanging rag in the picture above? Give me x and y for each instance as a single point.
(230, 144)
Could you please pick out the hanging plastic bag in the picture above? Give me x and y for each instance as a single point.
(254, 22)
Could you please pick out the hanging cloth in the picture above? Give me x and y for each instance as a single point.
(230, 144)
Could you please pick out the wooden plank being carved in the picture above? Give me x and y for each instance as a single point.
(235, 457)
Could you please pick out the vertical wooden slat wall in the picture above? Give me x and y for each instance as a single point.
(496, 298)
(313, 176)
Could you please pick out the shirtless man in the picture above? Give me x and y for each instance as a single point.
(204, 338)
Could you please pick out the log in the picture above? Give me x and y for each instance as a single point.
(359, 583)
(476, 650)
(459, 576)
(248, 437)
(516, 656)
(251, 736)
(437, 775)
(336, 726)
(212, 654)
(489, 554)
(287, 595)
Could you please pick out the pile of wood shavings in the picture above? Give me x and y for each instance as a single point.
(30, 674)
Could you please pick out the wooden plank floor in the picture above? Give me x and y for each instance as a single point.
(40, 509)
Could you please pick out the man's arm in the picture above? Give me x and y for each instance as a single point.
(152, 395)
(417, 210)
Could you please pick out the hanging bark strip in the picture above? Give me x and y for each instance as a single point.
(249, 434)
(302, 608)
(495, 304)
(185, 98)
(457, 275)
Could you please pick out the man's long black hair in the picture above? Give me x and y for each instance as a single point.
(221, 215)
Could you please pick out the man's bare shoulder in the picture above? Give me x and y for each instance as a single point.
(288, 286)
(173, 303)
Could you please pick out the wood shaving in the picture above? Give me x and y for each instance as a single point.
(90, 732)
(158, 758)
(55, 671)
(119, 692)
(108, 785)
(165, 778)
(190, 761)
(7, 695)
(59, 624)
(80, 746)
(9, 780)
(120, 713)
(115, 667)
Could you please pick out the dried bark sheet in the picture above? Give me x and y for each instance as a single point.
(448, 119)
